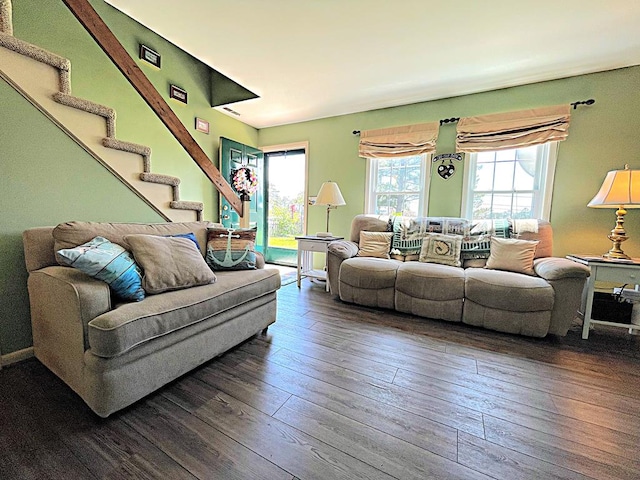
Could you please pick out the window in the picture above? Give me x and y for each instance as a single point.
(514, 183)
(397, 185)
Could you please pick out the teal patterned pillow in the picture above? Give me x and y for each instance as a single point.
(109, 262)
(231, 249)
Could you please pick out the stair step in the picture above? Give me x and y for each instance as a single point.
(158, 178)
(136, 148)
(184, 205)
(108, 113)
(36, 53)
(6, 17)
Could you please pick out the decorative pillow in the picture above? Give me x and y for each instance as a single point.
(231, 249)
(169, 263)
(443, 249)
(512, 255)
(374, 244)
(191, 236)
(109, 262)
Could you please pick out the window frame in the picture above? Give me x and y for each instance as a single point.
(545, 181)
(371, 184)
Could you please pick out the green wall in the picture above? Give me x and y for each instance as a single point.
(48, 179)
(602, 137)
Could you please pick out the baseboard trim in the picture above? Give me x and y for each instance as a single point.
(15, 357)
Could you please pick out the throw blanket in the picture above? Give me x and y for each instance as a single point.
(408, 234)
(525, 226)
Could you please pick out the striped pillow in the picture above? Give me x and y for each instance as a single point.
(109, 262)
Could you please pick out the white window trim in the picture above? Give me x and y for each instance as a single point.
(425, 181)
(548, 176)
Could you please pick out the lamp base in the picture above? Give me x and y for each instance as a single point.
(617, 236)
(324, 234)
(616, 252)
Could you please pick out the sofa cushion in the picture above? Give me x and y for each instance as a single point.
(430, 290)
(430, 281)
(109, 262)
(443, 249)
(369, 273)
(132, 324)
(507, 290)
(512, 255)
(368, 281)
(374, 244)
(72, 234)
(169, 263)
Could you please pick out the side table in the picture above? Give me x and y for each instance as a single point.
(605, 270)
(306, 246)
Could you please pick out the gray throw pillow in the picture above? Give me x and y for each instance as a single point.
(169, 263)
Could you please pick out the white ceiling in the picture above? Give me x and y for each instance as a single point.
(309, 59)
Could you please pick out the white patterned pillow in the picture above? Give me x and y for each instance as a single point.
(443, 249)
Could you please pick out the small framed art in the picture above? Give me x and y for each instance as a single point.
(202, 125)
(178, 94)
(149, 56)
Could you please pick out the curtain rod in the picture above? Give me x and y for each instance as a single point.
(575, 105)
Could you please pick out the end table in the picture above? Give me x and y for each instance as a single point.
(605, 270)
(306, 246)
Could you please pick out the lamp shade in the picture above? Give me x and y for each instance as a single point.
(330, 194)
(620, 187)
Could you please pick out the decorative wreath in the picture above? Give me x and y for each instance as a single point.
(245, 181)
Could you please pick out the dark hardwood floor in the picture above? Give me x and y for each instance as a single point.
(339, 391)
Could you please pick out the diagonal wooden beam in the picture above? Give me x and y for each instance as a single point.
(101, 33)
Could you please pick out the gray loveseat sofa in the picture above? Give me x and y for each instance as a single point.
(533, 305)
(112, 354)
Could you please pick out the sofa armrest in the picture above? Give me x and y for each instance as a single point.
(337, 252)
(343, 249)
(556, 268)
(568, 279)
(63, 299)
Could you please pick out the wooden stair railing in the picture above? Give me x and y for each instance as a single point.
(105, 38)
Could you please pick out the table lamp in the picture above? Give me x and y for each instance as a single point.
(620, 190)
(330, 196)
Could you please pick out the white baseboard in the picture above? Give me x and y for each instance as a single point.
(15, 357)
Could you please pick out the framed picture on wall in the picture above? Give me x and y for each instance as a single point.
(149, 56)
(202, 125)
(178, 94)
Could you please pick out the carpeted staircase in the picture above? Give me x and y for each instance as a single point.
(28, 67)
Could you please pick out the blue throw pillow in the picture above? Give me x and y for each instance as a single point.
(191, 236)
(108, 262)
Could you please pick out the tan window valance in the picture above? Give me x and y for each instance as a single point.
(502, 131)
(399, 141)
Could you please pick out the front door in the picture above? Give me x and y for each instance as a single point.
(234, 155)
